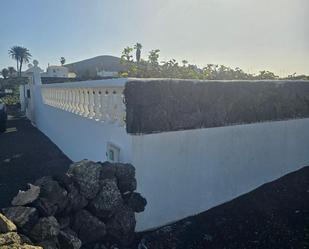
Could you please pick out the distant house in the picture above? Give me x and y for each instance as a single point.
(104, 73)
(56, 71)
(51, 71)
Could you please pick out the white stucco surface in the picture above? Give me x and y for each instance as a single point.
(185, 172)
(79, 137)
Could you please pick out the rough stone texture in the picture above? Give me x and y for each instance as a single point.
(23, 246)
(75, 220)
(88, 227)
(125, 174)
(50, 244)
(102, 246)
(64, 221)
(64, 180)
(108, 171)
(6, 225)
(87, 176)
(169, 105)
(22, 217)
(25, 239)
(45, 229)
(122, 226)
(69, 241)
(9, 238)
(135, 201)
(26, 197)
(53, 198)
(107, 200)
(75, 200)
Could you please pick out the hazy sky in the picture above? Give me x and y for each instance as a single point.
(251, 34)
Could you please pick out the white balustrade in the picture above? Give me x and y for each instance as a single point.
(97, 102)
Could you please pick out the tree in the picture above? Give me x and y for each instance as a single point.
(138, 48)
(184, 62)
(172, 69)
(11, 71)
(154, 56)
(5, 73)
(62, 61)
(267, 75)
(21, 55)
(126, 55)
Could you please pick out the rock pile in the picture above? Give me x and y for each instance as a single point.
(9, 238)
(92, 205)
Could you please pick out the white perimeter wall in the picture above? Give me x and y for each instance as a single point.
(80, 137)
(184, 172)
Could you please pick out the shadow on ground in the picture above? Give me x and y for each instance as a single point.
(273, 216)
(25, 155)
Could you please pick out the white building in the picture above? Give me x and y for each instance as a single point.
(51, 71)
(56, 71)
(194, 144)
(104, 73)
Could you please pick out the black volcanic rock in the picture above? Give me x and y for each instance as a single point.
(88, 227)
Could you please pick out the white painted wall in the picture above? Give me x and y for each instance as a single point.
(184, 172)
(56, 71)
(79, 137)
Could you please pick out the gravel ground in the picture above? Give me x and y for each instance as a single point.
(274, 216)
(25, 155)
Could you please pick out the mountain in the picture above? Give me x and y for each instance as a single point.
(89, 67)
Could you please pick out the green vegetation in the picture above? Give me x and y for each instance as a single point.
(21, 55)
(62, 61)
(138, 49)
(5, 73)
(12, 84)
(152, 68)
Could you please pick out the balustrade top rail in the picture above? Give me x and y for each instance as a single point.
(100, 100)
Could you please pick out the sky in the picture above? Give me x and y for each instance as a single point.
(251, 34)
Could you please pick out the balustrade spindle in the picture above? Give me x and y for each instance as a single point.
(67, 100)
(103, 109)
(57, 99)
(61, 94)
(86, 103)
(81, 102)
(113, 105)
(74, 101)
(91, 103)
(77, 101)
(99, 103)
(70, 108)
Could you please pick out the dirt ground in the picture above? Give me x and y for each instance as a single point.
(25, 155)
(274, 216)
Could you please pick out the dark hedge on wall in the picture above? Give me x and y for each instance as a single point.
(169, 105)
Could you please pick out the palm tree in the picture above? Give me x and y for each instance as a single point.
(11, 71)
(21, 55)
(62, 61)
(138, 48)
(5, 73)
